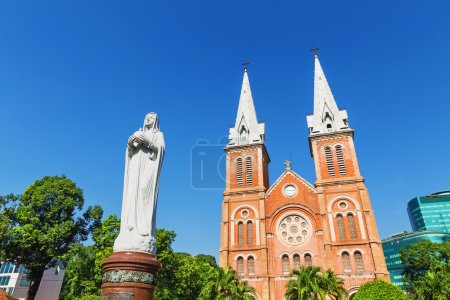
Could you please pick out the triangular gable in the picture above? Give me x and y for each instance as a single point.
(295, 175)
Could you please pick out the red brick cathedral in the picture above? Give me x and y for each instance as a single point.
(269, 229)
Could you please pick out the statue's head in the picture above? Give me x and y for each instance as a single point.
(151, 122)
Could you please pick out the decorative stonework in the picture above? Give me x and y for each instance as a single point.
(119, 276)
(294, 230)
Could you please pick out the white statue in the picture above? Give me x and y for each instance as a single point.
(143, 161)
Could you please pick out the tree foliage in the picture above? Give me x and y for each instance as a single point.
(422, 256)
(310, 283)
(376, 290)
(427, 272)
(224, 284)
(43, 223)
(83, 277)
(434, 284)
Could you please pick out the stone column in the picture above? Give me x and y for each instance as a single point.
(129, 276)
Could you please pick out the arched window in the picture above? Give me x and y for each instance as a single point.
(308, 260)
(240, 234)
(251, 265)
(341, 228)
(248, 170)
(340, 160)
(250, 233)
(359, 262)
(240, 266)
(352, 225)
(285, 260)
(329, 158)
(296, 261)
(346, 262)
(239, 171)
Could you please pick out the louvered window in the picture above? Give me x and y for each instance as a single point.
(352, 225)
(240, 266)
(329, 158)
(341, 228)
(240, 233)
(285, 260)
(248, 170)
(296, 261)
(340, 160)
(308, 260)
(346, 262)
(239, 171)
(250, 233)
(359, 262)
(251, 265)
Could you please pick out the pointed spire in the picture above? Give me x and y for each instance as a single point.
(246, 130)
(327, 117)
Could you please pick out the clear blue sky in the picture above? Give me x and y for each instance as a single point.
(78, 77)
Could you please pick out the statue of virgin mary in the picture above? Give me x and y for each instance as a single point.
(143, 161)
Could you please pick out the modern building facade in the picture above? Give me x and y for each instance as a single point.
(430, 212)
(13, 280)
(393, 244)
(268, 229)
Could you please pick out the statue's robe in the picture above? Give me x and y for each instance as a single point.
(140, 194)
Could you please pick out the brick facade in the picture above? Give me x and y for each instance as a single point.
(330, 224)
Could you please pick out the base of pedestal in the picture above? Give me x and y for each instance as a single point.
(129, 276)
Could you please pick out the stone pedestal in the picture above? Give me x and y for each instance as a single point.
(129, 276)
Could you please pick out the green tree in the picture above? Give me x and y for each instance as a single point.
(83, 275)
(182, 276)
(377, 290)
(333, 285)
(433, 285)
(422, 256)
(425, 262)
(166, 256)
(311, 284)
(43, 224)
(224, 284)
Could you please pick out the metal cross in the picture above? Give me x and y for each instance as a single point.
(315, 50)
(288, 163)
(245, 64)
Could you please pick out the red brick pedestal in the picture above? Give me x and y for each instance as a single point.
(129, 276)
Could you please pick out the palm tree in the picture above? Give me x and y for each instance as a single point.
(311, 284)
(224, 284)
(244, 292)
(333, 285)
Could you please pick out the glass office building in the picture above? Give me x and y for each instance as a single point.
(430, 212)
(393, 244)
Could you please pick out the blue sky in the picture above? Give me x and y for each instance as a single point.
(78, 77)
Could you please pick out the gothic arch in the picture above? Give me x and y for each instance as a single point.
(358, 214)
(292, 207)
(234, 221)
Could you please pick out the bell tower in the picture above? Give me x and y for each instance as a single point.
(243, 236)
(351, 241)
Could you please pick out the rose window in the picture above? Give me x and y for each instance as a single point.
(294, 229)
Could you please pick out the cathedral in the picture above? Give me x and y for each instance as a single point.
(269, 229)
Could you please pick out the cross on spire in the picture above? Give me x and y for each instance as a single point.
(315, 50)
(288, 163)
(245, 65)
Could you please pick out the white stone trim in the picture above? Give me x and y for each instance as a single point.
(302, 215)
(358, 214)
(254, 220)
(345, 250)
(358, 250)
(285, 253)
